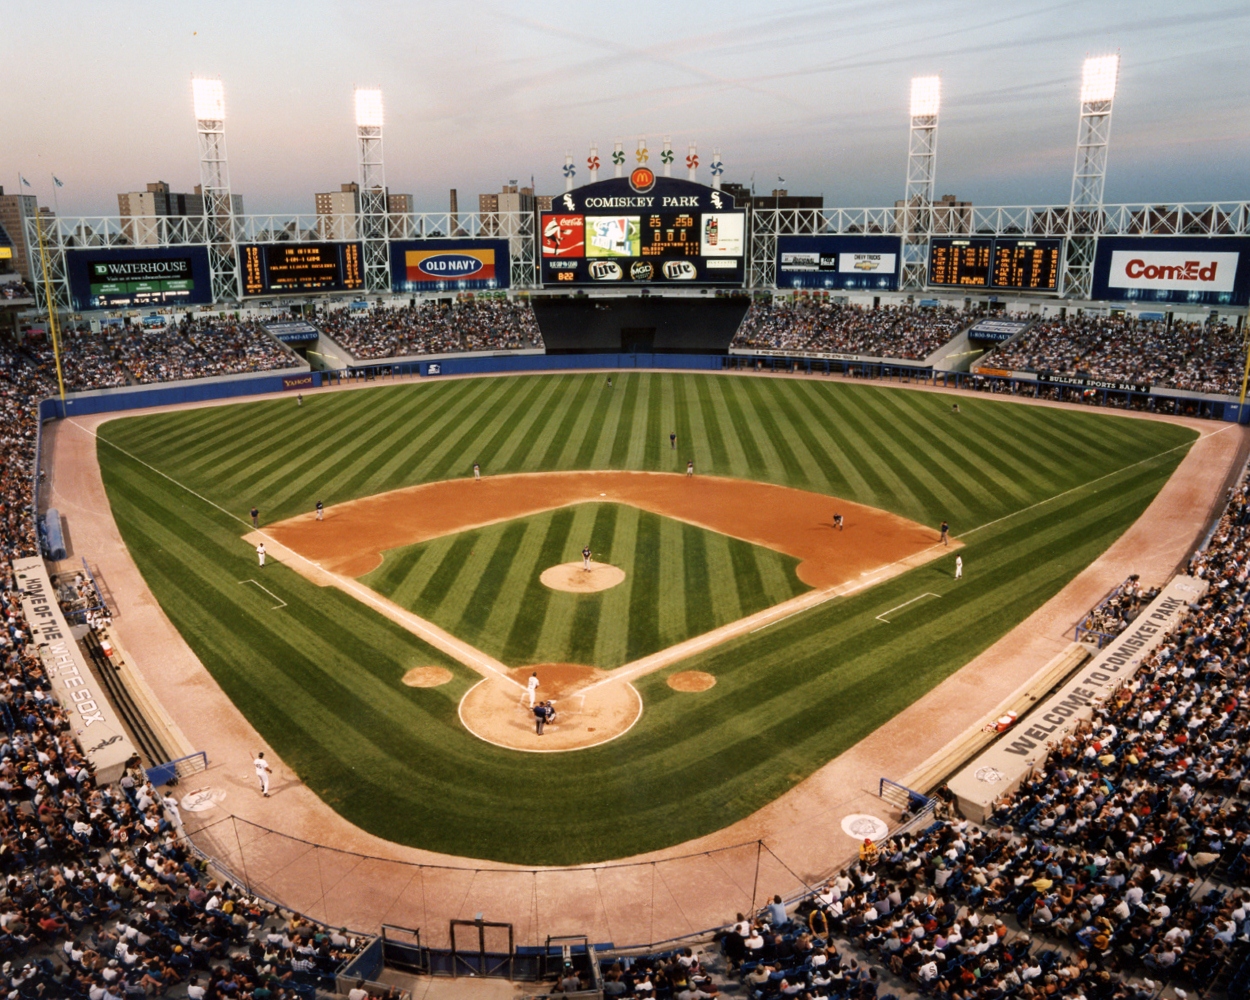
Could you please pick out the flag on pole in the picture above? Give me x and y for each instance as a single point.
(23, 180)
(57, 181)
(780, 179)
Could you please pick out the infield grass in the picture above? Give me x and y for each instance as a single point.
(680, 581)
(1035, 493)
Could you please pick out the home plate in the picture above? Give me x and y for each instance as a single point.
(603, 494)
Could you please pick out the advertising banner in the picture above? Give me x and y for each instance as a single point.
(1090, 382)
(838, 262)
(296, 332)
(1004, 765)
(996, 330)
(127, 278)
(449, 265)
(95, 721)
(1212, 271)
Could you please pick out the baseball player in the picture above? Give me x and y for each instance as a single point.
(255, 518)
(260, 554)
(609, 381)
(299, 399)
(959, 567)
(690, 467)
(540, 717)
(837, 521)
(263, 770)
(945, 529)
(320, 510)
(531, 686)
(672, 440)
(586, 558)
(477, 472)
(550, 711)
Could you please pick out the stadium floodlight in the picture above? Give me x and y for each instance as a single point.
(368, 108)
(926, 93)
(210, 99)
(1099, 78)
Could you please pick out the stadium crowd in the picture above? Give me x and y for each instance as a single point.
(480, 324)
(1120, 865)
(12, 290)
(1116, 611)
(1201, 357)
(815, 325)
(101, 899)
(132, 355)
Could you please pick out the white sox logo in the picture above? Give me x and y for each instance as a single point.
(568, 203)
(716, 200)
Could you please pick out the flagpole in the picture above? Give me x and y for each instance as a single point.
(56, 202)
(50, 302)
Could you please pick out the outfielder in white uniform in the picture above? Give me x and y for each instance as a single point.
(260, 553)
(531, 686)
(959, 567)
(263, 770)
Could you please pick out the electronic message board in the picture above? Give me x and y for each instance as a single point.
(269, 268)
(643, 230)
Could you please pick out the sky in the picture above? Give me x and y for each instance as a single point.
(479, 93)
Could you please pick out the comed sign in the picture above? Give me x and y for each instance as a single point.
(1213, 271)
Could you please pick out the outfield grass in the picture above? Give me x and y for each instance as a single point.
(1036, 493)
(680, 581)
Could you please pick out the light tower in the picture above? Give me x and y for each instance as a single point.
(1089, 173)
(220, 230)
(916, 223)
(373, 208)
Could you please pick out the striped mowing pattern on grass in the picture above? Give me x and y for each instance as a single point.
(483, 585)
(320, 679)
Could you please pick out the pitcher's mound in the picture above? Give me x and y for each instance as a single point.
(691, 680)
(427, 677)
(575, 578)
(591, 708)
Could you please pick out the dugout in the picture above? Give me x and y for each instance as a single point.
(580, 324)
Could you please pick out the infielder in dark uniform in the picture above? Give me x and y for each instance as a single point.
(945, 529)
(255, 518)
(672, 440)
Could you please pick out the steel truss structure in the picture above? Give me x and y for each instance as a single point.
(1209, 219)
(1089, 174)
(375, 250)
(917, 212)
(219, 218)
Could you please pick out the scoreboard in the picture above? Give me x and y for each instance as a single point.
(1029, 265)
(644, 230)
(960, 262)
(995, 262)
(270, 268)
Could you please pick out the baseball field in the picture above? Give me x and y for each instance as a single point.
(1034, 494)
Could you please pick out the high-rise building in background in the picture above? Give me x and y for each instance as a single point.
(951, 217)
(511, 199)
(338, 211)
(15, 209)
(139, 210)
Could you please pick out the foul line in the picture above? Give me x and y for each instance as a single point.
(1074, 489)
(419, 626)
(881, 617)
(281, 603)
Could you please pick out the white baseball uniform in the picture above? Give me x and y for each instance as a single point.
(959, 567)
(260, 553)
(532, 685)
(262, 774)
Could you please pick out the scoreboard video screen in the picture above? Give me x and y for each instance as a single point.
(647, 230)
(1002, 263)
(275, 268)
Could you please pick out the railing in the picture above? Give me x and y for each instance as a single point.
(182, 767)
